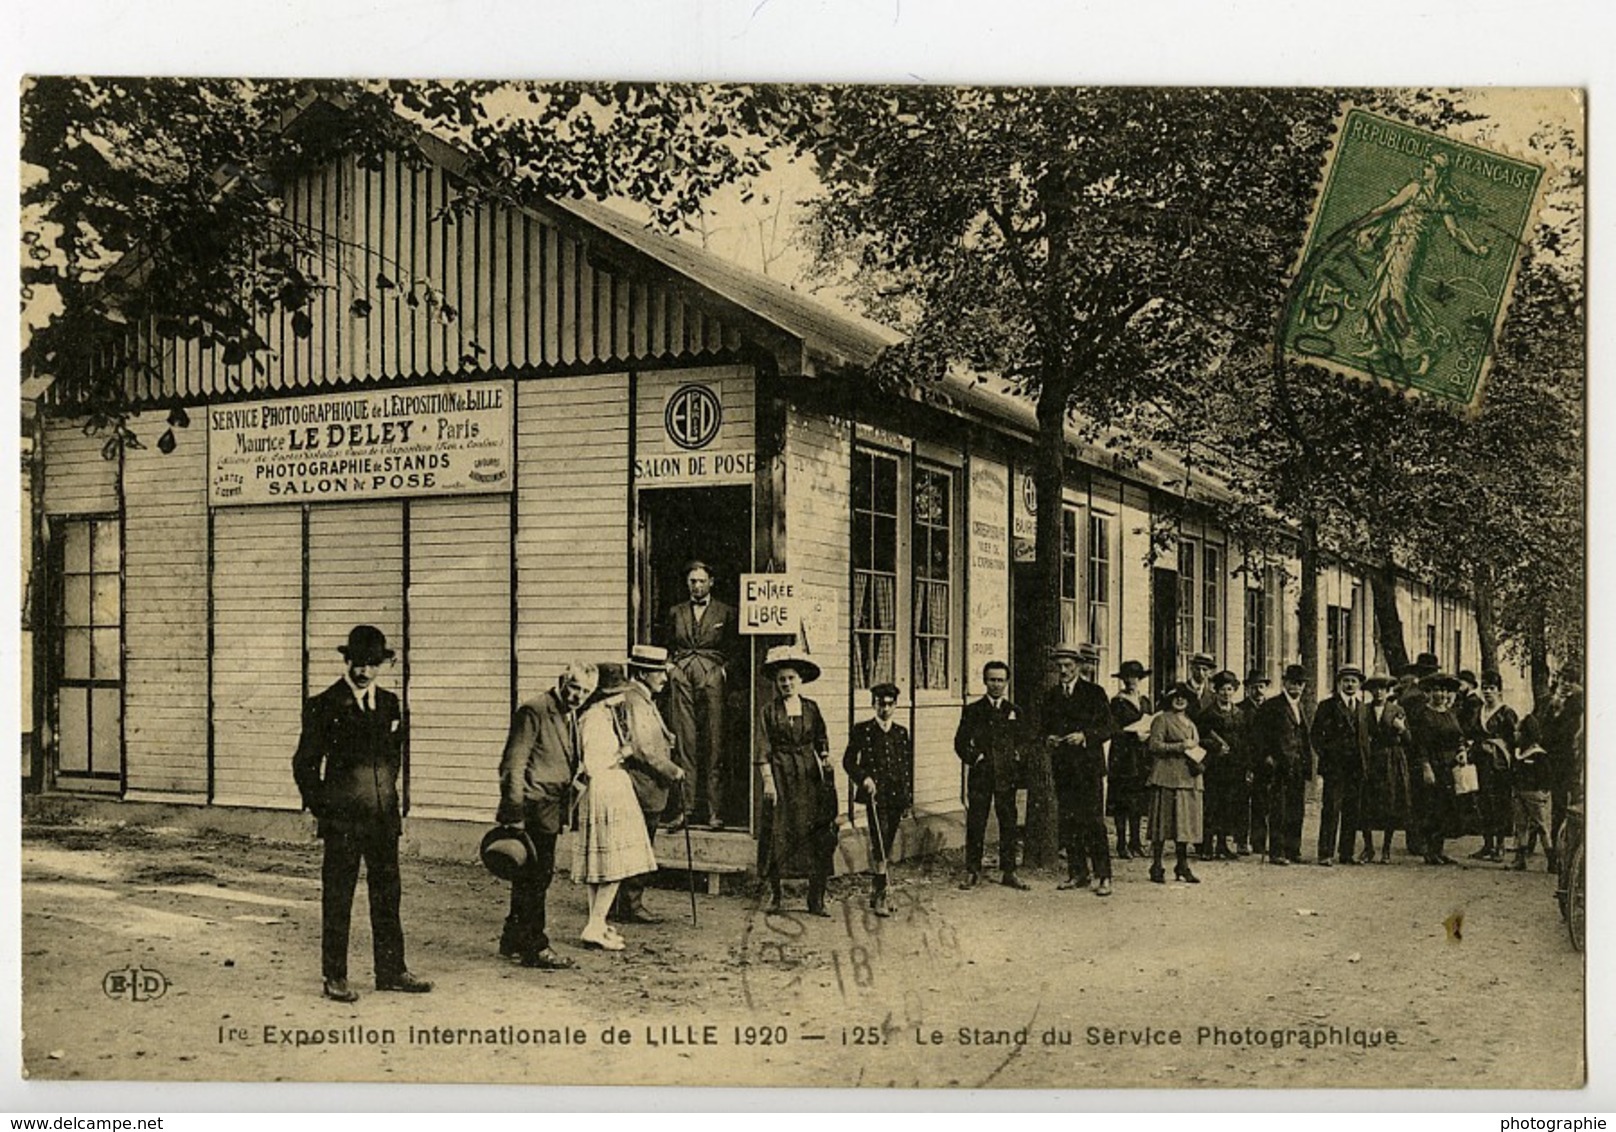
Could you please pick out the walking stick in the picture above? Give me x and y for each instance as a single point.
(875, 833)
(690, 871)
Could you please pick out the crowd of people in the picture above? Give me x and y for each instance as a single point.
(1435, 755)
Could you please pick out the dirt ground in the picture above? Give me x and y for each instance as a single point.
(154, 953)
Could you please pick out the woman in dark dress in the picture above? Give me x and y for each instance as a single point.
(1386, 791)
(798, 832)
(1493, 728)
(1130, 763)
(1223, 733)
(1438, 747)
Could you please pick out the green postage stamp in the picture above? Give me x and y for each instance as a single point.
(1410, 258)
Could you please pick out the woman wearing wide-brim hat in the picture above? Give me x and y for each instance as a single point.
(1436, 750)
(1175, 783)
(798, 831)
(1130, 762)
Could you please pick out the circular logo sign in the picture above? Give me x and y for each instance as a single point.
(693, 416)
(1029, 494)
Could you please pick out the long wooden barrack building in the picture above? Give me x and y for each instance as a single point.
(498, 436)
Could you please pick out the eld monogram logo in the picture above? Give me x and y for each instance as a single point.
(693, 416)
(135, 984)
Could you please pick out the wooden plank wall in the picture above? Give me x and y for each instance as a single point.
(257, 654)
(819, 468)
(1134, 566)
(524, 293)
(78, 480)
(166, 619)
(460, 653)
(356, 577)
(572, 538)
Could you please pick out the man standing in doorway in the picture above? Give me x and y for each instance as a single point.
(535, 788)
(1077, 723)
(346, 768)
(1283, 748)
(701, 636)
(988, 741)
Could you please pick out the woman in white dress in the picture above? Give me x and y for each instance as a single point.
(612, 840)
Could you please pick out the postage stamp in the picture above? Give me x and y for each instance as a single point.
(1408, 265)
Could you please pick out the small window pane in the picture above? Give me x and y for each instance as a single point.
(886, 544)
(105, 729)
(886, 486)
(76, 600)
(107, 662)
(862, 472)
(76, 654)
(73, 727)
(105, 609)
(76, 548)
(105, 545)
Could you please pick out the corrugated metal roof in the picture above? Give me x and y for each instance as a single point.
(829, 333)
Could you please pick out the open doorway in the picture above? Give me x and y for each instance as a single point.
(713, 524)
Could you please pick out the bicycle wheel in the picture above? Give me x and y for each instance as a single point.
(1576, 898)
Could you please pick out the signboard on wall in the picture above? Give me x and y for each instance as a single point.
(769, 605)
(694, 428)
(374, 444)
(1025, 519)
(988, 547)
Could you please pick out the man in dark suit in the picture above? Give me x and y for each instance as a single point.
(346, 768)
(988, 741)
(701, 637)
(1281, 742)
(535, 789)
(1077, 722)
(1341, 736)
(1257, 785)
(880, 766)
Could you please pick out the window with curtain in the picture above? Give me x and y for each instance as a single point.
(1186, 604)
(1256, 632)
(1069, 559)
(1099, 587)
(1212, 602)
(932, 561)
(875, 568)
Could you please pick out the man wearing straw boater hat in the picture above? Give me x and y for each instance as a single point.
(1077, 724)
(651, 764)
(346, 768)
(535, 790)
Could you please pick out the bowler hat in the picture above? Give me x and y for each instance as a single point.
(1131, 668)
(1466, 676)
(507, 852)
(790, 656)
(1202, 660)
(1426, 664)
(366, 645)
(612, 678)
(1294, 674)
(1257, 677)
(1225, 678)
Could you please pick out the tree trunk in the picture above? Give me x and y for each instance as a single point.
(1537, 648)
(1388, 619)
(1041, 625)
(1307, 637)
(1481, 596)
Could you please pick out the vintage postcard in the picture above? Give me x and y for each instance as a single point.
(719, 585)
